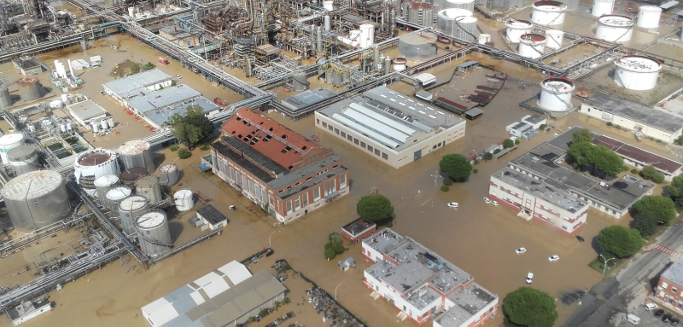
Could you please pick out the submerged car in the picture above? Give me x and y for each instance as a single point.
(529, 278)
(520, 250)
(487, 200)
(553, 258)
(452, 204)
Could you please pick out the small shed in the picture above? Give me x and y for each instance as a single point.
(212, 217)
(347, 264)
(358, 230)
(426, 78)
(535, 120)
(474, 113)
(424, 95)
(467, 66)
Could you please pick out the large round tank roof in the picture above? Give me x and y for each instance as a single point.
(639, 64)
(133, 202)
(32, 185)
(118, 193)
(133, 174)
(558, 85)
(21, 153)
(106, 180)
(616, 20)
(165, 169)
(549, 5)
(453, 13)
(417, 38)
(95, 157)
(532, 38)
(518, 23)
(417, 5)
(11, 138)
(182, 194)
(133, 147)
(151, 219)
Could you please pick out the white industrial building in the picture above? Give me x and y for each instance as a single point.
(124, 89)
(651, 122)
(157, 107)
(226, 296)
(390, 126)
(86, 111)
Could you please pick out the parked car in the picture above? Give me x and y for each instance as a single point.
(659, 313)
(660, 223)
(520, 250)
(453, 204)
(487, 200)
(553, 258)
(580, 238)
(529, 278)
(674, 321)
(666, 318)
(495, 203)
(650, 306)
(178, 77)
(232, 207)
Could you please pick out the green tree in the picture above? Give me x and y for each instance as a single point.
(135, 68)
(335, 238)
(580, 153)
(373, 208)
(488, 156)
(191, 127)
(148, 66)
(656, 207)
(263, 313)
(650, 173)
(447, 181)
(173, 83)
(530, 307)
(338, 248)
(644, 224)
(184, 153)
(456, 166)
(508, 144)
(329, 252)
(675, 190)
(597, 156)
(620, 241)
(445, 188)
(582, 135)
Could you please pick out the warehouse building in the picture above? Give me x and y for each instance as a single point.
(542, 200)
(634, 116)
(86, 111)
(156, 108)
(124, 89)
(226, 296)
(389, 126)
(420, 283)
(276, 168)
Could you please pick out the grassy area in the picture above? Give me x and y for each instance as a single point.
(612, 265)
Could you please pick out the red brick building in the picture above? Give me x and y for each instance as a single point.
(670, 286)
(358, 230)
(276, 168)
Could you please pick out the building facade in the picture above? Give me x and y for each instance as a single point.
(358, 230)
(390, 127)
(422, 285)
(670, 286)
(276, 168)
(544, 201)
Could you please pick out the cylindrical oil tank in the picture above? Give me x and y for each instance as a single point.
(648, 16)
(115, 195)
(456, 22)
(515, 28)
(103, 184)
(462, 4)
(9, 142)
(184, 200)
(637, 72)
(136, 153)
(131, 175)
(30, 88)
(149, 187)
(417, 46)
(130, 209)
(327, 23)
(421, 13)
(400, 64)
(168, 175)
(367, 35)
(548, 12)
(532, 45)
(5, 98)
(91, 164)
(23, 159)
(602, 7)
(555, 39)
(36, 199)
(498, 5)
(300, 81)
(614, 28)
(556, 94)
(571, 4)
(153, 233)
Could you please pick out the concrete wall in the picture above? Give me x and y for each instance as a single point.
(626, 123)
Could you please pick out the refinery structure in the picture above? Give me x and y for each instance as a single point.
(366, 74)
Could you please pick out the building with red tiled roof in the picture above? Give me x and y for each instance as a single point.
(275, 167)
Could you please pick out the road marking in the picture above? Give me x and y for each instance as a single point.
(667, 251)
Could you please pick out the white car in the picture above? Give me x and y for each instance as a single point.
(556, 135)
(453, 204)
(553, 258)
(650, 306)
(529, 278)
(487, 200)
(178, 77)
(520, 250)
(495, 203)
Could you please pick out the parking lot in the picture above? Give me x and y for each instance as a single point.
(647, 318)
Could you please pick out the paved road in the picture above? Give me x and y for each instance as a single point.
(611, 296)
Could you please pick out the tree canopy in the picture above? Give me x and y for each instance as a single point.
(620, 241)
(675, 190)
(508, 143)
(644, 225)
(656, 208)
(600, 157)
(652, 174)
(530, 307)
(582, 135)
(335, 238)
(373, 208)
(191, 127)
(456, 166)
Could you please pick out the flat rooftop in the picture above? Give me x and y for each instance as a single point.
(649, 116)
(549, 191)
(85, 110)
(358, 226)
(390, 118)
(468, 302)
(211, 214)
(675, 272)
(160, 106)
(307, 98)
(131, 86)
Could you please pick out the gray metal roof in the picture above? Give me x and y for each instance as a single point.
(87, 109)
(294, 176)
(675, 272)
(468, 302)
(642, 114)
(308, 97)
(167, 97)
(211, 214)
(129, 85)
(549, 191)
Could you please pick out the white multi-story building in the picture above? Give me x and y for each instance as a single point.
(424, 286)
(124, 89)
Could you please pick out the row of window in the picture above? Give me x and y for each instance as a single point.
(355, 141)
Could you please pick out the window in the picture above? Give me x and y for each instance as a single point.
(664, 285)
(305, 198)
(385, 156)
(343, 134)
(330, 127)
(362, 144)
(342, 181)
(377, 152)
(324, 124)
(297, 204)
(317, 121)
(232, 174)
(289, 207)
(355, 140)
(272, 201)
(238, 179)
(244, 181)
(673, 289)
(370, 148)
(336, 130)
(316, 193)
(349, 137)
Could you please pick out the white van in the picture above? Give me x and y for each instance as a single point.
(529, 278)
(650, 306)
(632, 319)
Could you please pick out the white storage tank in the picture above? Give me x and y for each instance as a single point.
(23, 159)
(149, 187)
(153, 233)
(367, 35)
(104, 124)
(130, 209)
(9, 142)
(532, 45)
(399, 64)
(184, 200)
(555, 39)
(515, 28)
(92, 164)
(103, 184)
(614, 28)
(648, 16)
(602, 7)
(110, 121)
(456, 22)
(637, 72)
(35, 200)
(462, 4)
(168, 175)
(115, 195)
(556, 94)
(328, 5)
(548, 12)
(136, 153)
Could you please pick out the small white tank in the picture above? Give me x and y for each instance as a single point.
(614, 28)
(104, 124)
(556, 94)
(532, 45)
(637, 73)
(555, 39)
(184, 200)
(328, 5)
(515, 28)
(110, 121)
(548, 12)
(95, 127)
(69, 127)
(367, 35)
(115, 195)
(602, 7)
(9, 142)
(648, 16)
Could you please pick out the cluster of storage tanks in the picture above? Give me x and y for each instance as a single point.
(457, 22)
(103, 125)
(619, 28)
(20, 157)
